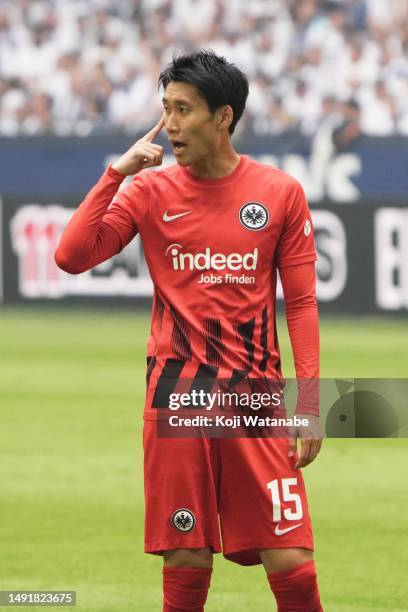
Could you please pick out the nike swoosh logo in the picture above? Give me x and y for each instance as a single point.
(168, 218)
(280, 532)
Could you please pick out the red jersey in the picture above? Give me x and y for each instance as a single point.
(213, 248)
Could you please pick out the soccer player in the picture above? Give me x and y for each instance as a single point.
(216, 226)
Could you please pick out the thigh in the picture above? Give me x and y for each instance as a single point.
(180, 495)
(262, 503)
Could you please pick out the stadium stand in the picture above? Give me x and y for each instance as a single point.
(76, 67)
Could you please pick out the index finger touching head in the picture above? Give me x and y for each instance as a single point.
(151, 135)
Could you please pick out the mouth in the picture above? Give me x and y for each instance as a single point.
(178, 146)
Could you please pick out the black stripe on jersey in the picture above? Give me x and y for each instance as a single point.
(158, 308)
(276, 344)
(246, 332)
(264, 340)
(237, 376)
(204, 378)
(167, 382)
(180, 337)
(151, 362)
(214, 346)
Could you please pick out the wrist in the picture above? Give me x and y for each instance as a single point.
(114, 172)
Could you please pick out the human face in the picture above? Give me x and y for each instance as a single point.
(192, 129)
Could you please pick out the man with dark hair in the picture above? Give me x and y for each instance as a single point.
(216, 227)
(217, 81)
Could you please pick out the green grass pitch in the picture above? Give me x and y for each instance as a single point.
(71, 492)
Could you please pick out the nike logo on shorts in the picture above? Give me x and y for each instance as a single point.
(168, 218)
(280, 532)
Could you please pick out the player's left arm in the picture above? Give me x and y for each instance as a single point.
(296, 258)
(299, 289)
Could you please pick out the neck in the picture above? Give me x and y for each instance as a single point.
(218, 164)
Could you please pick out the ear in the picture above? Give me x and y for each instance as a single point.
(225, 117)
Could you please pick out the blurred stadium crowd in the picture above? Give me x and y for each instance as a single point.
(81, 67)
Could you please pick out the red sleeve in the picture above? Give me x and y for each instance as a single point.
(296, 245)
(299, 290)
(95, 233)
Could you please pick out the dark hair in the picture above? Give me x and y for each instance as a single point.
(219, 82)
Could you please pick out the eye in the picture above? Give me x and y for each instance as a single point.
(183, 109)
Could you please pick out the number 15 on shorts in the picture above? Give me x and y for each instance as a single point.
(283, 493)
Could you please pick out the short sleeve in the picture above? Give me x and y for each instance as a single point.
(128, 208)
(296, 244)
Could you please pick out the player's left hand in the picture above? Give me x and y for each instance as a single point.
(310, 440)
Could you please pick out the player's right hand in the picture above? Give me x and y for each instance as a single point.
(143, 154)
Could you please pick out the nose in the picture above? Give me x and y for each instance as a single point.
(170, 124)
